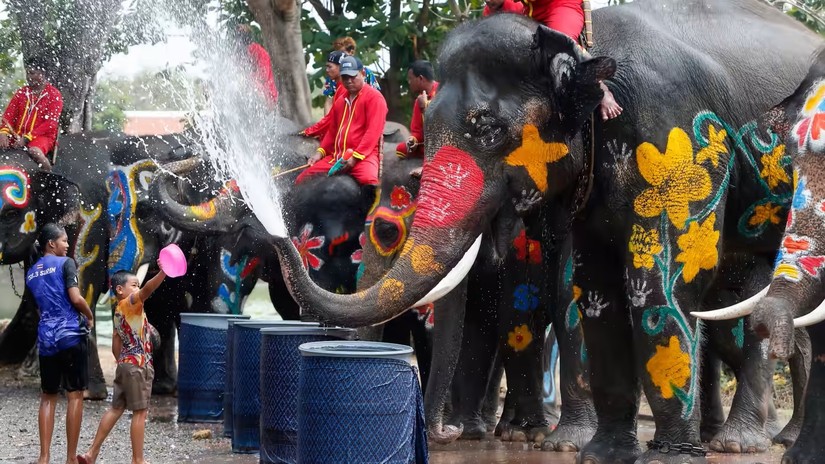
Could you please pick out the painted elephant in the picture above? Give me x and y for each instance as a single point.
(796, 290)
(502, 297)
(73, 195)
(138, 233)
(655, 199)
(324, 215)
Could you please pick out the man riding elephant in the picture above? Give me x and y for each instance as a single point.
(655, 199)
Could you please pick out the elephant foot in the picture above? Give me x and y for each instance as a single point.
(473, 429)
(598, 452)
(787, 437)
(807, 455)
(96, 391)
(164, 386)
(526, 432)
(569, 437)
(740, 438)
(444, 434)
(659, 457)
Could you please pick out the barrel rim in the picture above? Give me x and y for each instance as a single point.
(225, 316)
(386, 350)
(298, 330)
(266, 323)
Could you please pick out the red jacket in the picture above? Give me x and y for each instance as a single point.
(262, 72)
(35, 117)
(509, 6)
(320, 128)
(416, 128)
(565, 16)
(358, 125)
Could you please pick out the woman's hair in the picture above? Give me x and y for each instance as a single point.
(346, 44)
(50, 231)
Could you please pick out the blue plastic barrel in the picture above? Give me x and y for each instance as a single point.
(359, 402)
(246, 380)
(201, 363)
(228, 391)
(280, 362)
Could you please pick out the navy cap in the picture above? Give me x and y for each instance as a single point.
(335, 57)
(350, 66)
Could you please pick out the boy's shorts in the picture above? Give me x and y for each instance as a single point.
(133, 387)
(68, 368)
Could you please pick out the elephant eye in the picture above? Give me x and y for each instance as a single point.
(486, 128)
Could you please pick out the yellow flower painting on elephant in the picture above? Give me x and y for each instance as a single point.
(698, 247)
(675, 180)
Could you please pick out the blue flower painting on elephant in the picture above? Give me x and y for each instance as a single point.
(126, 245)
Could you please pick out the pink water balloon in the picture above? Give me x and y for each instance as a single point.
(172, 260)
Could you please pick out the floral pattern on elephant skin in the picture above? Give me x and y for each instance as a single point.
(13, 192)
(305, 244)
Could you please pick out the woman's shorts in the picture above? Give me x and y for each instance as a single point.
(68, 368)
(133, 387)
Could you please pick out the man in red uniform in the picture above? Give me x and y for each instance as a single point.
(357, 128)
(261, 67)
(32, 118)
(422, 82)
(567, 17)
(333, 71)
(502, 6)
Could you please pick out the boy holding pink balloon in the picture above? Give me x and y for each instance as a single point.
(132, 347)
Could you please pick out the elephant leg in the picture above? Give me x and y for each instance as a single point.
(97, 382)
(447, 335)
(799, 364)
(600, 306)
(713, 415)
(162, 317)
(475, 365)
(809, 447)
(403, 330)
(279, 295)
(744, 430)
(423, 343)
(489, 409)
(20, 335)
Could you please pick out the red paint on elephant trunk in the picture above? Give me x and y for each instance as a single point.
(451, 185)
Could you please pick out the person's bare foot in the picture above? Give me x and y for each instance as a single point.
(609, 107)
(86, 458)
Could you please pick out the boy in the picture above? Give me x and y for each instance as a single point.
(134, 374)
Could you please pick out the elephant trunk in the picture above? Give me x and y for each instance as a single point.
(217, 215)
(183, 166)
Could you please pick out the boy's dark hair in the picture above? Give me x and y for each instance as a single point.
(50, 231)
(422, 68)
(120, 278)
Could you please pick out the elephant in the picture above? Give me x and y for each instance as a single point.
(138, 233)
(500, 291)
(792, 304)
(72, 195)
(325, 218)
(645, 210)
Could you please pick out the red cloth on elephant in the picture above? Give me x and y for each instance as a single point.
(34, 117)
(416, 128)
(320, 128)
(565, 16)
(262, 72)
(509, 6)
(360, 127)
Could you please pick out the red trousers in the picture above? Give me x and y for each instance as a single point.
(565, 16)
(365, 171)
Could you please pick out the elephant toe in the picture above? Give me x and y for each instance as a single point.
(445, 434)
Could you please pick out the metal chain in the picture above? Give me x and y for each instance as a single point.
(666, 447)
(13, 286)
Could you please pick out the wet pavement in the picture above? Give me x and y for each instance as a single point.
(168, 441)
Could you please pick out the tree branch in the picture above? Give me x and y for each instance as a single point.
(322, 11)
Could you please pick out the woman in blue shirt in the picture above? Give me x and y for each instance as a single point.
(65, 320)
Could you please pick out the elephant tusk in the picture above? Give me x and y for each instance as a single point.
(813, 317)
(732, 312)
(454, 277)
(141, 272)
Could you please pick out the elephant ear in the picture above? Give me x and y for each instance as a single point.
(58, 199)
(570, 76)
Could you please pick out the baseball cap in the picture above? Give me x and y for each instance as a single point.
(335, 57)
(350, 66)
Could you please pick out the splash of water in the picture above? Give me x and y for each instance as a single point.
(237, 129)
